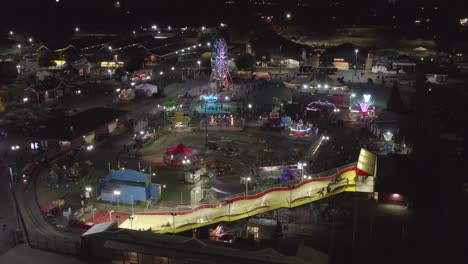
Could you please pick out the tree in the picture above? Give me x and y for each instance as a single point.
(133, 59)
(133, 64)
(205, 36)
(395, 103)
(44, 58)
(205, 59)
(70, 55)
(244, 61)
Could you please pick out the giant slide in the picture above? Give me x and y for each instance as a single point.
(356, 177)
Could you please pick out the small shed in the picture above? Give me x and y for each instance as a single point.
(262, 228)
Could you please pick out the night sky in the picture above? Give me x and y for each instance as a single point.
(47, 18)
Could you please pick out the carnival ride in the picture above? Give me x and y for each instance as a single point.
(356, 177)
(319, 106)
(301, 129)
(220, 65)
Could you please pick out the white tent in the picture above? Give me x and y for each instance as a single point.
(148, 89)
(420, 49)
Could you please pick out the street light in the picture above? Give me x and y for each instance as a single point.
(19, 46)
(199, 63)
(110, 73)
(288, 15)
(30, 40)
(77, 29)
(301, 166)
(355, 64)
(161, 73)
(250, 106)
(352, 95)
(15, 147)
(247, 185)
(25, 99)
(203, 28)
(117, 194)
(172, 68)
(11, 32)
(388, 136)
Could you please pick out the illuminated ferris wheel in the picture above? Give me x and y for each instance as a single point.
(219, 64)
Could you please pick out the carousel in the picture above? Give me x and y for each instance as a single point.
(179, 121)
(321, 106)
(211, 102)
(301, 129)
(180, 155)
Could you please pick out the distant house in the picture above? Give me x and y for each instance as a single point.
(71, 132)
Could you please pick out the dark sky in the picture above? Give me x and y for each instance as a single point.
(49, 16)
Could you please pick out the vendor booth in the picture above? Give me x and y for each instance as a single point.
(181, 155)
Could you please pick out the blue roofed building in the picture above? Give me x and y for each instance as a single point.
(128, 187)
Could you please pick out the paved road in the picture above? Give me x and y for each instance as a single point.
(8, 220)
(25, 255)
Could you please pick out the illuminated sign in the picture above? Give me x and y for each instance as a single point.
(34, 146)
(364, 107)
(112, 64)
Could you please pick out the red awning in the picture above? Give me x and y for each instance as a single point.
(180, 149)
(47, 207)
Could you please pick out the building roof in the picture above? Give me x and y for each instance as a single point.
(69, 128)
(180, 247)
(367, 162)
(180, 149)
(98, 228)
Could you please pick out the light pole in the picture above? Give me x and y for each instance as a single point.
(116, 195)
(351, 95)
(355, 63)
(280, 48)
(247, 185)
(110, 215)
(110, 73)
(388, 137)
(301, 166)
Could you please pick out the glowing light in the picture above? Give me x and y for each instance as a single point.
(364, 107)
(219, 64)
(367, 98)
(388, 136)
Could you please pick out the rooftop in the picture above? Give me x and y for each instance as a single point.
(70, 127)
